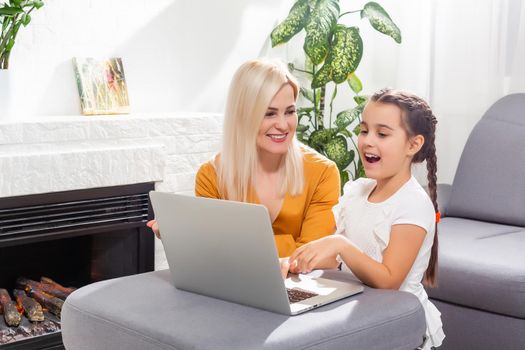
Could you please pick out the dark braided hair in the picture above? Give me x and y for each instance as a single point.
(418, 119)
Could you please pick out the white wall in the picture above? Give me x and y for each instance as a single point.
(180, 55)
(177, 54)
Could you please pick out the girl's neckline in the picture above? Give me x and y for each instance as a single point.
(389, 198)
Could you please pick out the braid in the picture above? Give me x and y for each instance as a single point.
(430, 273)
(419, 120)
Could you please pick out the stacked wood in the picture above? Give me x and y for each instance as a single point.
(41, 306)
(52, 289)
(66, 290)
(50, 302)
(11, 315)
(32, 309)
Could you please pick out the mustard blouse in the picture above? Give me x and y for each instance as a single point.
(302, 218)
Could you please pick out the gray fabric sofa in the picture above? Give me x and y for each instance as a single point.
(146, 311)
(481, 267)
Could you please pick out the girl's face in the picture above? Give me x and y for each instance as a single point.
(383, 144)
(280, 121)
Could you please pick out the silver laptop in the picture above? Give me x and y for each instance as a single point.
(226, 249)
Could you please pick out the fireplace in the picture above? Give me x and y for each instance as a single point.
(75, 238)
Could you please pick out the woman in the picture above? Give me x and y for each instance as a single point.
(262, 162)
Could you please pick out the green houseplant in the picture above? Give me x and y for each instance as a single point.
(333, 52)
(13, 15)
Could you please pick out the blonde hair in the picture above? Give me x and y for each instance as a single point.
(252, 89)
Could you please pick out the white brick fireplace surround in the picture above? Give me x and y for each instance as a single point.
(52, 154)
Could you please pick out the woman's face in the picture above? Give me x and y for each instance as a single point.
(280, 121)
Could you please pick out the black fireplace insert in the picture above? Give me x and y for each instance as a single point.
(75, 238)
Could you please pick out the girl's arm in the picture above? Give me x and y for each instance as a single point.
(398, 257)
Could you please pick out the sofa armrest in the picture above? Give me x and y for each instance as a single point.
(443, 194)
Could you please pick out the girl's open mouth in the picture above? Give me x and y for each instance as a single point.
(372, 158)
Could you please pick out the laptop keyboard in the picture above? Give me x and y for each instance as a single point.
(296, 295)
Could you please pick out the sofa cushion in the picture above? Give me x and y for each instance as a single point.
(468, 328)
(488, 184)
(147, 312)
(481, 265)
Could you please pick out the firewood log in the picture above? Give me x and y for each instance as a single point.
(32, 309)
(27, 285)
(50, 302)
(67, 290)
(11, 315)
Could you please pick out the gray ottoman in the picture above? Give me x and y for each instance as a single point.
(147, 312)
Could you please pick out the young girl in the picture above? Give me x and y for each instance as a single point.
(386, 223)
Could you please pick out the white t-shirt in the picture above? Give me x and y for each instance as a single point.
(368, 226)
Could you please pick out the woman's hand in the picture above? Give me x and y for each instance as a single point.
(155, 227)
(285, 267)
(320, 253)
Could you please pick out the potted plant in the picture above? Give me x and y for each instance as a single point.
(333, 52)
(13, 15)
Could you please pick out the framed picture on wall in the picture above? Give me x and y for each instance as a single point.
(101, 86)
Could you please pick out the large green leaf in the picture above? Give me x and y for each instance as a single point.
(337, 151)
(343, 59)
(355, 83)
(381, 21)
(26, 18)
(323, 77)
(344, 178)
(346, 53)
(360, 170)
(322, 20)
(346, 133)
(319, 138)
(360, 99)
(347, 117)
(10, 44)
(352, 155)
(357, 130)
(10, 11)
(293, 24)
(308, 94)
(38, 4)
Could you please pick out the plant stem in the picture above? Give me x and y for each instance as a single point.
(331, 103)
(303, 71)
(321, 106)
(346, 13)
(4, 60)
(3, 43)
(315, 100)
(355, 146)
(4, 55)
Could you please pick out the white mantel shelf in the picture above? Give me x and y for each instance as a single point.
(52, 154)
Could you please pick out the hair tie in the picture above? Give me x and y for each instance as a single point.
(438, 217)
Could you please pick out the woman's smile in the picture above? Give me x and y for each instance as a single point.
(279, 138)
